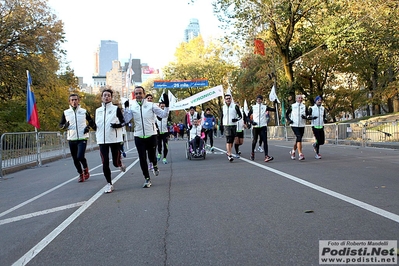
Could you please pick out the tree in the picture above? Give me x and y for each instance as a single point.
(277, 22)
(198, 60)
(368, 45)
(30, 39)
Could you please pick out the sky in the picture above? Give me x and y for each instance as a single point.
(149, 30)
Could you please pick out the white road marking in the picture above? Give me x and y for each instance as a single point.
(58, 230)
(358, 203)
(49, 191)
(41, 195)
(34, 214)
(392, 216)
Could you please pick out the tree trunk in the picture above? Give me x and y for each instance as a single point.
(289, 73)
(395, 103)
(376, 109)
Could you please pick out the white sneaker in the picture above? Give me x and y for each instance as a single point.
(108, 188)
(317, 156)
(260, 149)
(122, 168)
(301, 157)
(147, 183)
(292, 155)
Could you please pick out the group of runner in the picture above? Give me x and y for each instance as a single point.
(151, 131)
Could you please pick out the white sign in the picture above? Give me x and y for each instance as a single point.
(199, 98)
(357, 252)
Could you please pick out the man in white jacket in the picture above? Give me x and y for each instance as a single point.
(163, 136)
(259, 113)
(109, 135)
(145, 132)
(74, 120)
(231, 114)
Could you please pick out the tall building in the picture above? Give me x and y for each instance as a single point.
(192, 30)
(108, 52)
(114, 77)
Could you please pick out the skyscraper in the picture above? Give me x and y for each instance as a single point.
(108, 52)
(192, 30)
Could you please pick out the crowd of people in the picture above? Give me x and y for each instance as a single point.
(153, 130)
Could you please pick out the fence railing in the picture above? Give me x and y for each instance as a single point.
(22, 149)
(366, 135)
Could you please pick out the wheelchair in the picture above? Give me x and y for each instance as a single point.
(200, 152)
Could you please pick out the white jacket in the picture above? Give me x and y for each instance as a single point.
(259, 115)
(77, 123)
(144, 117)
(163, 125)
(105, 115)
(195, 131)
(229, 113)
(298, 109)
(240, 125)
(319, 112)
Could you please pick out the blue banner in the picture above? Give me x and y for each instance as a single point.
(179, 84)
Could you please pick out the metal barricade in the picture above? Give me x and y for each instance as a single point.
(21, 149)
(18, 148)
(26, 148)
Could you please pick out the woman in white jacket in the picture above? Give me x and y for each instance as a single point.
(109, 121)
(296, 117)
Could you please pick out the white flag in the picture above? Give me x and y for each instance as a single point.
(246, 110)
(129, 73)
(273, 95)
(172, 99)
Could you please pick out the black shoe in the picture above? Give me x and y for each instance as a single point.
(156, 170)
(268, 158)
(252, 156)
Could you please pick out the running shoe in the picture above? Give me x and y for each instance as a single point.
(150, 167)
(260, 149)
(212, 149)
(155, 170)
(301, 157)
(317, 156)
(164, 161)
(237, 155)
(86, 173)
(230, 157)
(292, 155)
(124, 154)
(122, 168)
(239, 152)
(159, 157)
(252, 156)
(147, 183)
(81, 178)
(108, 188)
(268, 158)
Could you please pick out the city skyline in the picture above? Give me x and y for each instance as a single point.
(150, 31)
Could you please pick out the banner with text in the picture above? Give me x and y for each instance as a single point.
(199, 98)
(180, 84)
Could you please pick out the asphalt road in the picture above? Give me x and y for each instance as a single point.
(201, 212)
